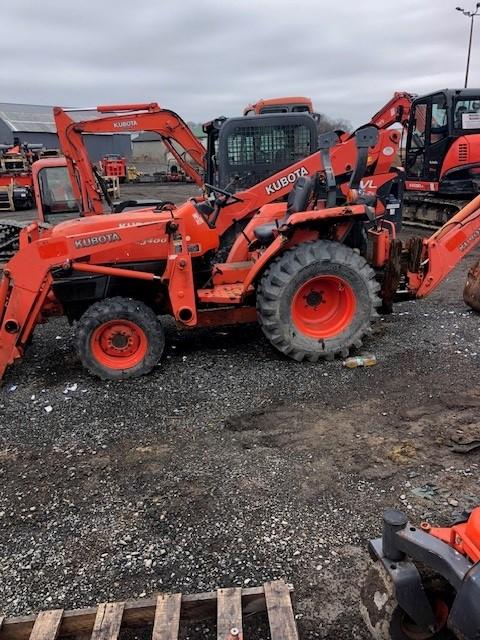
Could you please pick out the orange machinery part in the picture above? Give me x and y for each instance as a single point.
(464, 537)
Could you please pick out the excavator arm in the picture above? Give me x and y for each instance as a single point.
(397, 109)
(123, 118)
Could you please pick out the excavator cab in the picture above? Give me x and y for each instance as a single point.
(443, 131)
(241, 152)
(53, 191)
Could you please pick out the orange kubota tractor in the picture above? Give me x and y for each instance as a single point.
(241, 153)
(312, 270)
(113, 274)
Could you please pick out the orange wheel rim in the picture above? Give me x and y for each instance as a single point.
(119, 344)
(323, 307)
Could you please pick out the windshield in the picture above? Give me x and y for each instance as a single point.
(57, 194)
(467, 113)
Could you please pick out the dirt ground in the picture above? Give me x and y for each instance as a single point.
(231, 465)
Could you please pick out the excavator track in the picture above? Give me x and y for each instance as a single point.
(422, 210)
(9, 236)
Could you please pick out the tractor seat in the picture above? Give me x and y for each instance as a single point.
(297, 201)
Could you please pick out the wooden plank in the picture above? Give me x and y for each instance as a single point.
(280, 611)
(229, 612)
(47, 625)
(108, 621)
(137, 613)
(167, 617)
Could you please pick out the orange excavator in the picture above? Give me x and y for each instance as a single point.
(441, 151)
(312, 271)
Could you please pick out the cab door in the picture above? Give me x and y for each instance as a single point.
(417, 140)
(428, 139)
(438, 139)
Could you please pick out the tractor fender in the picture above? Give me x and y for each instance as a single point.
(302, 227)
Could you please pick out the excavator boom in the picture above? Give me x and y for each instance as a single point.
(124, 118)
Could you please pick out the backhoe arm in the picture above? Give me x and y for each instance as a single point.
(446, 248)
(124, 119)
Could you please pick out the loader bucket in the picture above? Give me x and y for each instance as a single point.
(471, 292)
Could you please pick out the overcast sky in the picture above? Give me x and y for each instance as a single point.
(205, 58)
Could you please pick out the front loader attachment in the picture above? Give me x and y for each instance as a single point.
(471, 292)
(20, 306)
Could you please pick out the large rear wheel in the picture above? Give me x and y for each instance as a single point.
(317, 300)
(119, 338)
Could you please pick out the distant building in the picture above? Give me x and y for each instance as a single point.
(150, 154)
(34, 124)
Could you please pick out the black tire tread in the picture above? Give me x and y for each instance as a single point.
(119, 307)
(279, 274)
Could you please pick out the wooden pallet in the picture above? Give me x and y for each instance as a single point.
(164, 615)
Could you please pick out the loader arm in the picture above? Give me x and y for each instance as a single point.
(126, 118)
(27, 278)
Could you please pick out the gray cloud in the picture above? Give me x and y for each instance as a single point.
(209, 57)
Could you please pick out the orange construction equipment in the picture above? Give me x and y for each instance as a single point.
(15, 172)
(286, 137)
(114, 166)
(312, 271)
(425, 581)
(441, 151)
(291, 104)
(123, 118)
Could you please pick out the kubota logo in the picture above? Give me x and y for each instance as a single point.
(123, 124)
(92, 241)
(466, 243)
(284, 181)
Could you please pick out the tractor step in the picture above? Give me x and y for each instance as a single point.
(224, 293)
(231, 272)
(164, 616)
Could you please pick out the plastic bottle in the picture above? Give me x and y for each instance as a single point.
(360, 361)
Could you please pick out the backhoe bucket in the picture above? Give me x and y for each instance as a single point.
(471, 292)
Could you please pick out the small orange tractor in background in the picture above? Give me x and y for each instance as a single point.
(312, 271)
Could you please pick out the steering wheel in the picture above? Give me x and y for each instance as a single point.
(228, 194)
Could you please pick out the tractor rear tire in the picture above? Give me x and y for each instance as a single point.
(317, 300)
(119, 338)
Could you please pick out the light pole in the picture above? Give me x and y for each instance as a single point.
(471, 15)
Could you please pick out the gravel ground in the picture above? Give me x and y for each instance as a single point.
(231, 465)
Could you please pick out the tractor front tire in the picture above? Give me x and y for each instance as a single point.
(317, 300)
(119, 338)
